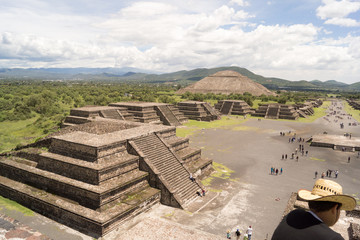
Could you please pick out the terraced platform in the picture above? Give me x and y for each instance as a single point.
(96, 175)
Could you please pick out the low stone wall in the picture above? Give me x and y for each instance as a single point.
(85, 152)
(354, 231)
(92, 175)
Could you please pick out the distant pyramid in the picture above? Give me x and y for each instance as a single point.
(226, 82)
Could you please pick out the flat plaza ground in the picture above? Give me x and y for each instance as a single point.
(245, 193)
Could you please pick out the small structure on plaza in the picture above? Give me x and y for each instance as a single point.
(96, 175)
(305, 109)
(227, 82)
(336, 142)
(354, 103)
(276, 111)
(145, 112)
(201, 111)
(234, 107)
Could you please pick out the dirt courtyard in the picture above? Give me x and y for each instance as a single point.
(246, 193)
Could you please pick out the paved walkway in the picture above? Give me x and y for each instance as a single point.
(11, 229)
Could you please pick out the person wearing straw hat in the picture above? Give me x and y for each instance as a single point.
(325, 202)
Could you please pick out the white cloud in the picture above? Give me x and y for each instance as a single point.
(345, 22)
(166, 37)
(241, 3)
(335, 12)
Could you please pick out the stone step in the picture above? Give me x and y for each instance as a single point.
(189, 154)
(88, 221)
(76, 120)
(177, 143)
(170, 173)
(162, 155)
(89, 172)
(165, 164)
(91, 196)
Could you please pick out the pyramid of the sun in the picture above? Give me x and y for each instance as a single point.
(227, 82)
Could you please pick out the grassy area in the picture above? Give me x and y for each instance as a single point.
(221, 171)
(18, 132)
(355, 113)
(193, 126)
(11, 205)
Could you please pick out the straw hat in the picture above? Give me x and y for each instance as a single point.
(327, 190)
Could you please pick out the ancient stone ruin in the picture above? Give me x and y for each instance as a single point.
(336, 142)
(354, 104)
(96, 175)
(276, 111)
(227, 82)
(145, 112)
(233, 107)
(201, 111)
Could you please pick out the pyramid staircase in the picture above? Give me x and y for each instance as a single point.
(273, 112)
(167, 116)
(215, 115)
(166, 166)
(302, 114)
(226, 108)
(112, 113)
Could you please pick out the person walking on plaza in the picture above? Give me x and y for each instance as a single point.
(249, 232)
(348, 159)
(228, 234)
(316, 173)
(325, 202)
(237, 234)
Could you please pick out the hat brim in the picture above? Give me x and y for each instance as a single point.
(348, 202)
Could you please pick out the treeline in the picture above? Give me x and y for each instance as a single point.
(24, 100)
(20, 100)
(281, 97)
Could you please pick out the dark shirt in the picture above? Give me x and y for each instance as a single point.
(302, 225)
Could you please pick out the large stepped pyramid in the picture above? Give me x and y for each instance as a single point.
(95, 176)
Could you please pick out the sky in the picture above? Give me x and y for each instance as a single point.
(290, 39)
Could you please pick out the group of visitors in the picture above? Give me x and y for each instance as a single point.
(298, 151)
(328, 173)
(237, 233)
(276, 171)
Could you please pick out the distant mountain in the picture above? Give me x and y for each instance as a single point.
(128, 74)
(329, 83)
(68, 73)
